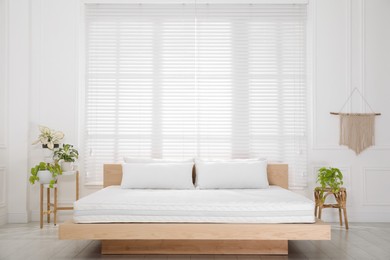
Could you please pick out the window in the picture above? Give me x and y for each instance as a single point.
(206, 80)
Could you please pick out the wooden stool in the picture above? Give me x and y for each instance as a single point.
(52, 208)
(320, 195)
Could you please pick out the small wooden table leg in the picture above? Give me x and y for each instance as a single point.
(41, 206)
(341, 217)
(343, 205)
(317, 202)
(55, 206)
(48, 205)
(77, 186)
(345, 218)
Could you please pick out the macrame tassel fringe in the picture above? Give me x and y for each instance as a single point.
(357, 131)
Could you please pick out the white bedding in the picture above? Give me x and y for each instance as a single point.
(273, 205)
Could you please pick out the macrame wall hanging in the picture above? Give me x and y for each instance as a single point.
(357, 130)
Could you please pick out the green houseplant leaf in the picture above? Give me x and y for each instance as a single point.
(329, 177)
(67, 153)
(54, 168)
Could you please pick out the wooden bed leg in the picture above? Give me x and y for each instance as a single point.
(182, 247)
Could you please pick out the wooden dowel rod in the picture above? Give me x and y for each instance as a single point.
(336, 113)
(65, 208)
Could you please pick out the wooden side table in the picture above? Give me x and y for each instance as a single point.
(320, 196)
(52, 208)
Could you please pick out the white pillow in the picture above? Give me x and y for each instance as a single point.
(150, 160)
(230, 160)
(231, 174)
(157, 176)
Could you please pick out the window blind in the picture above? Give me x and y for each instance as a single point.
(206, 80)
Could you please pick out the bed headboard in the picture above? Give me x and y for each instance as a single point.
(277, 174)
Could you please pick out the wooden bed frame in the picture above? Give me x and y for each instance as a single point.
(195, 238)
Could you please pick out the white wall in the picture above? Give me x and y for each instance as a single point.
(18, 81)
(352, 49)
(3, 111)
(349, 47)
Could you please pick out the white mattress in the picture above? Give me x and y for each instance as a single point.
(273, 205)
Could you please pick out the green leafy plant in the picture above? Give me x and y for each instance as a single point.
(54, 168)
(66, 153)
(331, 178)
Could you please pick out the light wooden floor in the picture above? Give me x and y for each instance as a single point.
(362, 241)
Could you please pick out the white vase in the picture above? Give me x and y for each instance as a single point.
(45, 177)
(67, 166)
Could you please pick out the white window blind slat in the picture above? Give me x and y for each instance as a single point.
(206, 80)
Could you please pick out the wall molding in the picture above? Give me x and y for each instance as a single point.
(344, 148)
(3, 139)
(19, 82)
(81, 51)
(365, 172)
(313, 72)
(363, 51)
(348, 47)
(380, 147)
(4, 110)
(3, 187)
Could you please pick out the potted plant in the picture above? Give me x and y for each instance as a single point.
(67, 154)
(330, 179)
(45, 173)
(49, 138)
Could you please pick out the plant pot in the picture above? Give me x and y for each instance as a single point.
(67, 166)
(55, 146)
(45, 177)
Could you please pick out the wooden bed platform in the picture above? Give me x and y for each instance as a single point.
(195, 238)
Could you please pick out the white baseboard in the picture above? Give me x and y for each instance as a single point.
(355, 216)
(3, 219)
(3, 215)
(18, 217)
(369, 216)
